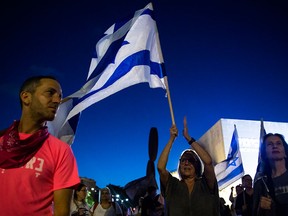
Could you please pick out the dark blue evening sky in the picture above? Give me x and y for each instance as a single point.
(224, 59)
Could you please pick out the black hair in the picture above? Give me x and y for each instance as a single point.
(244, 176)
(78, 188)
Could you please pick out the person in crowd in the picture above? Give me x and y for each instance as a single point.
(160, 205)
(151, 205)
(233, 198)
(78, 204)
(34, 165)
(106, 207)
(271, 187)
(148, 201)
(224, 209)
(195, 193)
(138, 208)
(238, 190)
(244, 201)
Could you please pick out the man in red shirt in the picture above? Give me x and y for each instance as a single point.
(37, 170)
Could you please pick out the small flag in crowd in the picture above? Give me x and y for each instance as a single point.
(260, 165)
(262, 134)
(129, 53)
(230, 169)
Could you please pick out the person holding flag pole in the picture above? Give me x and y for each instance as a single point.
(196, 193)
(271, 189)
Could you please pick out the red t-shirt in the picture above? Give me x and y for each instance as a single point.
(28, 190)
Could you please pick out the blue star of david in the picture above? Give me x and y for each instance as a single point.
(233, 162)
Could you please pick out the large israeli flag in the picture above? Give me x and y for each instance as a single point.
(129, 53)
(231, 169)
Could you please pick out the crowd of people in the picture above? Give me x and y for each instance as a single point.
(42, 171)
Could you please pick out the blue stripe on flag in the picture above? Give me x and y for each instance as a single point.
(113, 49)
(139, 58)
(238, 171)
(233, 147)
(109, 57)
(74, 121)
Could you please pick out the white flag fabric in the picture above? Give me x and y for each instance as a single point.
(129, 53)
(59, 127)
(231, 169)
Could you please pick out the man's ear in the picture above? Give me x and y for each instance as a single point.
(25, 97)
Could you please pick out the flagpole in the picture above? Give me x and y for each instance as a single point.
(169, 99)
(165, 77)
